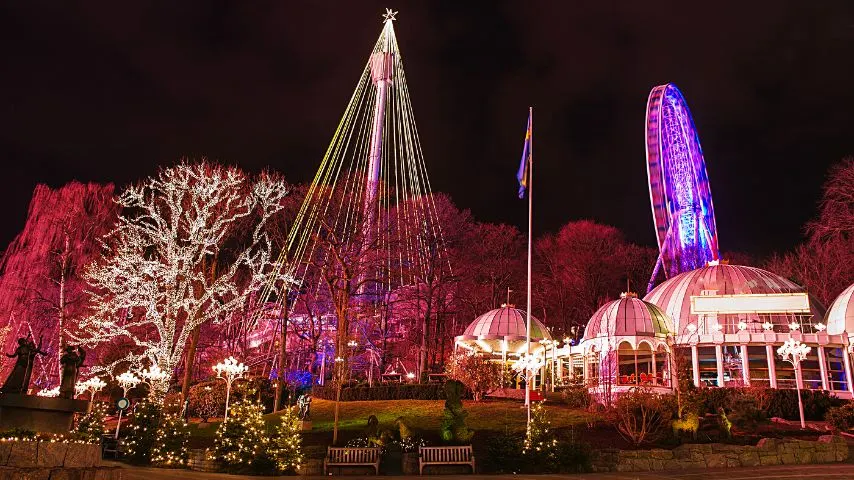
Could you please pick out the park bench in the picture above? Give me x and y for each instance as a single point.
(112, 446)
(445, 456)
(346, 456)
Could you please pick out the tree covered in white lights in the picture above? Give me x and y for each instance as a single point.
(190, 246)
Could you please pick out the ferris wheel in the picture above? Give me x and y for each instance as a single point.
(678, 186)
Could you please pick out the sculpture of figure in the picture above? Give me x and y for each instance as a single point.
(304, 404)
(18, 380)
(71, 362)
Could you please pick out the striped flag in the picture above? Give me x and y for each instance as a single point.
(524, 166)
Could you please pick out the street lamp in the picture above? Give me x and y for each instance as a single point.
(528, 365)
(229, 370)
(154, 377)
(93, 385)
(127, 381)
(352, 344)
(794, 352)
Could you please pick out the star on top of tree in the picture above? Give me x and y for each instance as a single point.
(389, 15)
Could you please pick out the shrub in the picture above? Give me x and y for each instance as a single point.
(454, 429)
(688, 425)
(573, 457)
(207, 400)
(475, 372)
(744, 410)
(641, 415)
(784, 403)
(842, 417)
(505, 453)
(577, 396)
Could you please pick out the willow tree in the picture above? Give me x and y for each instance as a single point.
(153, 285)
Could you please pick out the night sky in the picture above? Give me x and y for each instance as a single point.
(107, 91)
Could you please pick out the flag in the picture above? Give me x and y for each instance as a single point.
(524, 166)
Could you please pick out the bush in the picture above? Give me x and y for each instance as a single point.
(207, 400)
(143, 431)
(476, 372)
(641, 415)
(577, 396)
(573, 457)
(505, 453)
(842, 417)
(90, 427)
(241, 443)
(171, 439)
(780, 402)
(395, 391)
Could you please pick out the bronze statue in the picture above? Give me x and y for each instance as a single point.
(18, 380)
(71, 362)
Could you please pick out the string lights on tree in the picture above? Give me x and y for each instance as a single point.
(152, 288)
(127, 381)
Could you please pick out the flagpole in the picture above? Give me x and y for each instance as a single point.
(530, 242)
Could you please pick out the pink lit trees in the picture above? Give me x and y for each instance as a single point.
(153, 286)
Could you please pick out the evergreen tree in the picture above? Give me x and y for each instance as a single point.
(287, 444)
(170, 441)
(540, 442)
(143, 431)
(241, 441)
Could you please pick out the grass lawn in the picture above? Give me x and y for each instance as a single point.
(424, 415)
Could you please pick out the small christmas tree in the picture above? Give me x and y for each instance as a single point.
(540, 443)
(287, 444)
(241, 441)
(170, 441)
(90, 427)
(143, 431)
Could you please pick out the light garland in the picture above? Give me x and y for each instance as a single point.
(242, 438)
(171, 440)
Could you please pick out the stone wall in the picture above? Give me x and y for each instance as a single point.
(769, 451)
(53, 461)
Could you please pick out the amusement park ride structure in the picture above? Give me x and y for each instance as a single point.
(678, 186)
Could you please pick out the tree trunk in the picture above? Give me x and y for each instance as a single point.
(283, 351)
(188, 363)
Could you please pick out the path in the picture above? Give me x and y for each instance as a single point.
(812, 472)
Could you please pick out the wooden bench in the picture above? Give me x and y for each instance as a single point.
(346, 456)
(445, 456)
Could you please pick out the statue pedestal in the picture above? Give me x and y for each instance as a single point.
(39, 414)
(306, 425)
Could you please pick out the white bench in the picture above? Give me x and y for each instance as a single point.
(346, 456)
(445, 456)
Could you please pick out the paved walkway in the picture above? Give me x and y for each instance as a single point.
(812, 472)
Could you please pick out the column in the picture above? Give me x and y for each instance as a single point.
(772, 369)
(799, 376)
(822, 363)
(503, 362)
(847, 358)
(719, 360)
(745, 366)
(695, 365)
(654, 370)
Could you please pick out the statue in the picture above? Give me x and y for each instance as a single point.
(71, 362)
(18, 380)
(304, 404)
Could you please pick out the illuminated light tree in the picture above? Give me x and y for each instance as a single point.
(540, 442)
(90, 427)
(151, 287)
(287, 443)
(171, 439)
(242, 440)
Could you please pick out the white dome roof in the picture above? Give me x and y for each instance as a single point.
(507, 321)
(840, 315)
(628, 317)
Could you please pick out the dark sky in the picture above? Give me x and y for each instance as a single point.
(107, 91)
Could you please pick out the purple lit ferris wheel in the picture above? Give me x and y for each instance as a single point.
(678, 185)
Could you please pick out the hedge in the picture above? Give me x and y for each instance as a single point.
(401, 391)
(783, 402)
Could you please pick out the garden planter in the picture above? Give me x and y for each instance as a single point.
(409, 463)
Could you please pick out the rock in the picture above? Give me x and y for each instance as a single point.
(5, 450)
(749, 459)
(23, 454)
(788, 459)
(51, 454)
(769, 459)
(660, 453)
(78, 456)
(767, 443)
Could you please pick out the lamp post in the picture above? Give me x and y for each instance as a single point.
(352, 344)
(794, 352)
(93, 385)
(229, 370)
(154, 377)
(528, 365)
(127, 381)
